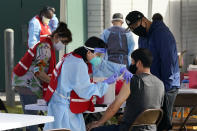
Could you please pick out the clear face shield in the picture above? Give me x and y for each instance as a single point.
(98, 51)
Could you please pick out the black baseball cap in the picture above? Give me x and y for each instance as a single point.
(133, 17)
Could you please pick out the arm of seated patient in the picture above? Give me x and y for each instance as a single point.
(114, 107)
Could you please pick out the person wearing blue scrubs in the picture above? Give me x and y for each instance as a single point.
(120, 46)
(74, 77)
(120, 41)
(106, 68)
(53, 23)
(157, 37)
(41, 25)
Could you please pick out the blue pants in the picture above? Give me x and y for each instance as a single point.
(29, 99)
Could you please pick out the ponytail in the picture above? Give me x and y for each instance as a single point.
(63, 31)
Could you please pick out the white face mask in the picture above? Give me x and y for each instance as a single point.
(45, 20)
(59, 46)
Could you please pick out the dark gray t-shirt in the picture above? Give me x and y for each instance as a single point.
(147, 92)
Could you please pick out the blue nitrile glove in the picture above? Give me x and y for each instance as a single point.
(111, 79)
(126, 74)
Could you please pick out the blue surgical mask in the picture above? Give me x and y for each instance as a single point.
(95, 61)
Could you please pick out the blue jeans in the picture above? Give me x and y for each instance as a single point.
(29, 99)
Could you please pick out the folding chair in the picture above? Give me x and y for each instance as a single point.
(60, 129)
(188, 121)
(2, 106)
(148, 117)
(186, 100)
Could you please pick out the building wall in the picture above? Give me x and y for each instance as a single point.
(189, 30)
(122, 7)
(171, 12)
(16, 15)
(142, 6)
(95, 17)
(100, 13)
(76, 20)
(179, 15)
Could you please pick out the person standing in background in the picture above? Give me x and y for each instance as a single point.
(120, 45)
(39, 26)
(119, 41)
(53, 23)
(157, 16)
(157, 37)
(33, 72)
(70, 90)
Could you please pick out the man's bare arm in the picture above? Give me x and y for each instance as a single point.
(114, 107)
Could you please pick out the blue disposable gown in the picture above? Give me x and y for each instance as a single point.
(33, 32)
(53, 23)
(107, 69)
(130, 41)
(73, 76)
(35, 28)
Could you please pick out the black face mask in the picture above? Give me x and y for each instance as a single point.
(140, 31)
(133, 69)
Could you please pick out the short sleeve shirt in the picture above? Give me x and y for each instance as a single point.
(147, 92)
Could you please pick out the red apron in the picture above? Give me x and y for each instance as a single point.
(24, 64)
(77, 104)
(45, 29)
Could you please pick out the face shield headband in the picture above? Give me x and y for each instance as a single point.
(96, 50)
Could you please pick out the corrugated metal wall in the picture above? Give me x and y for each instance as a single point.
(179, 15)
(100, 13)
(16, 15)
(171, 12)
(76, 20)
(95, 11)
(123, 7)
(189, 30)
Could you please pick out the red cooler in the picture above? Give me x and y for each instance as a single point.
(192, 79)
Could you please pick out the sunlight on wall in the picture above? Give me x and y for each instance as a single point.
(162, 7)
(127, 6)
(169, 9)
(142, 6)
(123, 7)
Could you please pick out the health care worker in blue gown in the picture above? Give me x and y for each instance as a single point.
(42, 25)
(120, 45)
(119, 41)
(53, 23)
(157, 37)
(70, 89)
